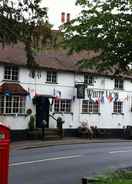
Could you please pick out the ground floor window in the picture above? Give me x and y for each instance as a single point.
(12, 104)
(62, 105)
(90, 106)
(118, 107)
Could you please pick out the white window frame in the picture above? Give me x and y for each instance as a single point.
(51, 77)
(118, 107)
(11, 73)
(119, 84)
(88, 79)
(90, 107)
(62, 105)
(9, 104)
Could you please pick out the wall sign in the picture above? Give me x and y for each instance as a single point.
(95, 93)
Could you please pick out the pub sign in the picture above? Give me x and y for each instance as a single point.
(80, 91)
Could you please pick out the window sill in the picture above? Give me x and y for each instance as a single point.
(51, 82)
(63, 113)
(117, 113)
(119, 89)
(15, 115)
(88, 84)
(8, 80)
(92, 113)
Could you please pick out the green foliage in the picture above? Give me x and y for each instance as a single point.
(106, 28)
(24, 21)
(119, 177)
(29, 112)
(31, 124)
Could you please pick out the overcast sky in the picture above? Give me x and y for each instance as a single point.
(55, 7)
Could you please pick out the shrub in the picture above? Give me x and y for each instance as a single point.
(31, 124)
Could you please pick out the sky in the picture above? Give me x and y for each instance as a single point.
(55, 7)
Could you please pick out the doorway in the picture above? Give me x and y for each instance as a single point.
(42, 111)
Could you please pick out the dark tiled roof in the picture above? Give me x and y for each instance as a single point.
(13, 54)
(51, 59)
(12, 88)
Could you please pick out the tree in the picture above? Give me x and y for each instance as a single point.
(104, 26)
(24, 21)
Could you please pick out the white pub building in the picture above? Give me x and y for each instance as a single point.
(61, 89)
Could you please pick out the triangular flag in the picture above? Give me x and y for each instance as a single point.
(102, 99)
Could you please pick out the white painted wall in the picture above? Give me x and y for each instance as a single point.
(66, 84)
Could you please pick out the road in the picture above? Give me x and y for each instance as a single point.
(67, 164)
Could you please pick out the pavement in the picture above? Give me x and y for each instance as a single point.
(31, 144)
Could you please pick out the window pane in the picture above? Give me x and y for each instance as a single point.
(12, 104)
(118, 107)
(7, 73)
(51, 77)
(90, 106)
(68, 106)
(1, 104)
(88, 79)
(11, 73)
(62, 105)
(119, 83)
(22, 105)
(8, 104)
(56, 106)
(54, 77)
(15, 104)
(84, 105)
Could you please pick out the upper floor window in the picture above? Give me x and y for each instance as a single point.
(88, 79)
(51, 77)
(90, 106)
(62, 105)
(118, 107)
(11, 73)
(12, 104)
(119, 84)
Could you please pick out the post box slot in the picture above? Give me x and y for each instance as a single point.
(2, 136)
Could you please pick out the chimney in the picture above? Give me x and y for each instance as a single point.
(62, 17)
(68, 17)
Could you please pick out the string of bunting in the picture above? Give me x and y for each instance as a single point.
(109, 98)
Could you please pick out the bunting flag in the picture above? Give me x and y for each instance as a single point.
(54, 92)
(31, 92)
(98, 96)
(98, 100)
(57, 94)
(73, 98)
(94, 99)
(110, 98)
(115, 97)
(102, 100)
(7, 93)
(51, 101)
(126, 98)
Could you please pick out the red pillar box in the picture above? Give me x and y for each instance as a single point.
(4, 153)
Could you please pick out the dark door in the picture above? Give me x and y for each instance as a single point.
(42, 111)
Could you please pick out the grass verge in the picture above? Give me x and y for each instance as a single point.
(118, 177)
